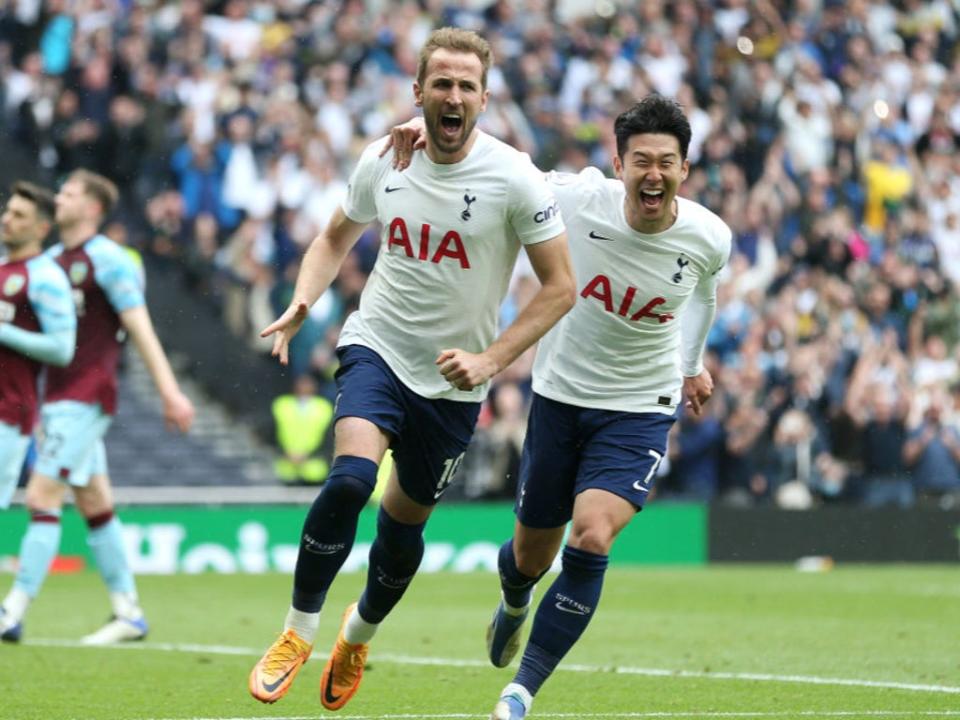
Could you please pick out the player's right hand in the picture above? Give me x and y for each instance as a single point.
(465, 370)
(178, 412)
(405, 140)
(285, 327)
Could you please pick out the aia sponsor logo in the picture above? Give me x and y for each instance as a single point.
(542, 216)
(601, 289)
(449, 246)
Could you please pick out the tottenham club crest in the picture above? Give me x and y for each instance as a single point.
(465, 215)
(78, 273)
(682, 262)
(14, 284)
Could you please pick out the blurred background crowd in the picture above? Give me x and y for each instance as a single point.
(825, 133)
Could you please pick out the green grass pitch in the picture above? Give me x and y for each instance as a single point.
(715, 642)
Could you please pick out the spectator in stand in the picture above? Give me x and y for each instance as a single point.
(932, 450)
(824, 133)
(695, 455)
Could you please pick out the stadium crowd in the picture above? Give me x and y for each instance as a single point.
(825, 134)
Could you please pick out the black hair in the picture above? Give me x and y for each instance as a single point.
(654, 114)
(41, 198)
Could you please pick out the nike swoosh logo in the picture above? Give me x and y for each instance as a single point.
(572, 611)
(322, 552)
(328, 690)
(641, 488)
(270, 687)
(391, 189)
(597, 236)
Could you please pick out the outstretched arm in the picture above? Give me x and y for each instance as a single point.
(320, 266)
(557, 294)
(177, 408)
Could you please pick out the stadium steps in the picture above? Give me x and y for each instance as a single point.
(217, 452)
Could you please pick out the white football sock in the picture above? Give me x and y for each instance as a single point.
(357, 630)
(304, 624)
(126, 605)
(519, 691)
(16, 603)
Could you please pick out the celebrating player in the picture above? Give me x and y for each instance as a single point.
(607, 380)
(416, 358)
(37, 325)
(79, 404)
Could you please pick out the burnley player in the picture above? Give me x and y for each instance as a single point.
(37, 326)
(607, 380)
(80, 401)
(416, 358)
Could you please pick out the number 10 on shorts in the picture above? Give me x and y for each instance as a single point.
(450, 467)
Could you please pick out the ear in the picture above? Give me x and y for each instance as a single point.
(617, 167)
(684, 170)
(483, 101)
(417, 94)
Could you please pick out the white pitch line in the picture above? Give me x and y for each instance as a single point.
(636, 715)
(453, 662)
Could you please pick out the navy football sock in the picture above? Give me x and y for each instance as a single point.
(562, 616)
(394, 559)
(517, 587)
(330, 528)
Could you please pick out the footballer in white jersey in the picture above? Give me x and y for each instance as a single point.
(608, 380)
(449, 240)
(416, 358)
(621, 348)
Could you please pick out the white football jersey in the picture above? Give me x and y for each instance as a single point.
(449, 241)
(619, 347)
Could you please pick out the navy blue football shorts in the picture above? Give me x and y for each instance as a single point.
(569, 449)
(428, 437)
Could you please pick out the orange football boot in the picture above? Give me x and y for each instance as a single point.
(344, 670)
(272, 675)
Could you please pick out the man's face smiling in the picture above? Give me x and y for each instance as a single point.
(452, 97)
(651, 171)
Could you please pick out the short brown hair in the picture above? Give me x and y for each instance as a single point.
(41, 198)
(97, 187)
(459, 40)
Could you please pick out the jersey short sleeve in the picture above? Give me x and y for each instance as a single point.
(534, 213)
(117, 274)
(359, 204)
(50, 296)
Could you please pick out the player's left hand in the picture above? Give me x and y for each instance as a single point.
(465, 370)
(697, 390)
(178, 411)
(405, 140)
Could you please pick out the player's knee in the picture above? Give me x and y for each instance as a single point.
(532, 560)
(91, 502)
(350, 482)
(594, 538)
(40, 497)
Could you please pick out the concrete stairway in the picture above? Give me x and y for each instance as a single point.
(218, 451)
